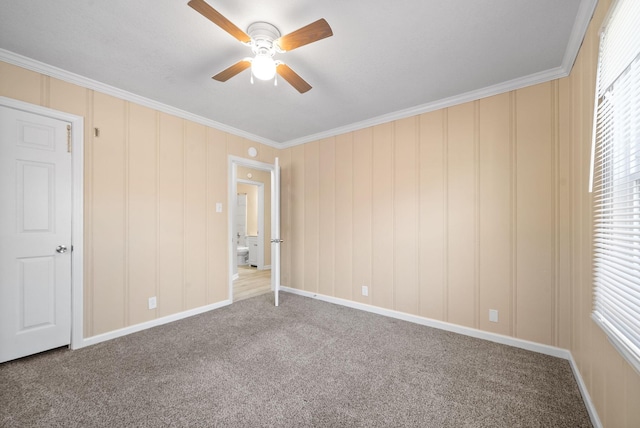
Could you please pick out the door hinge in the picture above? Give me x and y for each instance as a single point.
(69, 138)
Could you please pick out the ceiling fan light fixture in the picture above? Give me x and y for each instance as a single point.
(263, 67)
(265, 41)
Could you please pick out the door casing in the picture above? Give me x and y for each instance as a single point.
(234, 162)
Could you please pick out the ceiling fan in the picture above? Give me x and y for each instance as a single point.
(265, 41)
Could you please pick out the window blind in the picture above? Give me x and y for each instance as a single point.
(616, 183)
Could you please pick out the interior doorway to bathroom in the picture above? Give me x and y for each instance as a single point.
(253, 273)
(251, 202)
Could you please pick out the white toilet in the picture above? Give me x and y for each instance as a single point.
(242, 253)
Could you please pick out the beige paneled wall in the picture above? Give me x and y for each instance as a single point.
(454, 212)
(151, 184)
(614, 386)
(444, 215)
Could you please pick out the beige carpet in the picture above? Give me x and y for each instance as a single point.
(306, 363)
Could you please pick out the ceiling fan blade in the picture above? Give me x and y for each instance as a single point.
(236, 68)
(217, 18)
(292, 77)
(308, 34)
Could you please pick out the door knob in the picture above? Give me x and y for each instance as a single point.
(277, 241)
(61, 249)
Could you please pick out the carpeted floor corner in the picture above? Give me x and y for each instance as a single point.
(305, 363)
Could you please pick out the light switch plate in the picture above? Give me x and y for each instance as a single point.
(218, 207)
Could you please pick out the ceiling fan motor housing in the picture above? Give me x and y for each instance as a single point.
(263, 35)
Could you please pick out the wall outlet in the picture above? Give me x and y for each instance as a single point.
(493, 315)
(365, 290)
(152, 302)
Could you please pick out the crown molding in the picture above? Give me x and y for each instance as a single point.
(585, 13)
(532, 79)
(583, 18)
(76, 79)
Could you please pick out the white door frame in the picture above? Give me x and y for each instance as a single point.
(234, 162)
(77, 211)
(261, 229)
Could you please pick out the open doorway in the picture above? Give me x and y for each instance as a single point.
(250, 227)
(253, 256)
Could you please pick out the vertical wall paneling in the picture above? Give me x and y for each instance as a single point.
(344, 196)
(495, 213)
(108, 216)
(382, 289)
(237, 146)
(432, 237)
(405, 228)
(266, 154)
(564, 198)
(513, 138)
(127, 180)
(298, 217)
(146, 176)
(536, 244)
(596, 366)
(327, 197)
(613, 387)
(88, 218)
(547, 227)
(580, 337)
(217, 242)
(461, 214)
(555, 129)
(362, 213)
(171, 208)
(311, 221)
(70, 98)
(195, 215)
(20, 84)
(631, 395)
(142, 194)
(594, 341)
(476, 211)
(45, 90)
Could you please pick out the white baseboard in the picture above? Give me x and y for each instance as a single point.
(266, 267)
(593, 414)
(153, 323)
(467, 331)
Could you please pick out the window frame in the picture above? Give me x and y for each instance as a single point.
(615, 181)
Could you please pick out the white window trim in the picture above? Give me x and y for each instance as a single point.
(618, 306)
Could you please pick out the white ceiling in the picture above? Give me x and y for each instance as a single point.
(385, 60)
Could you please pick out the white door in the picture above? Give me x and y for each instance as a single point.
(275, 230)
(35, 234)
